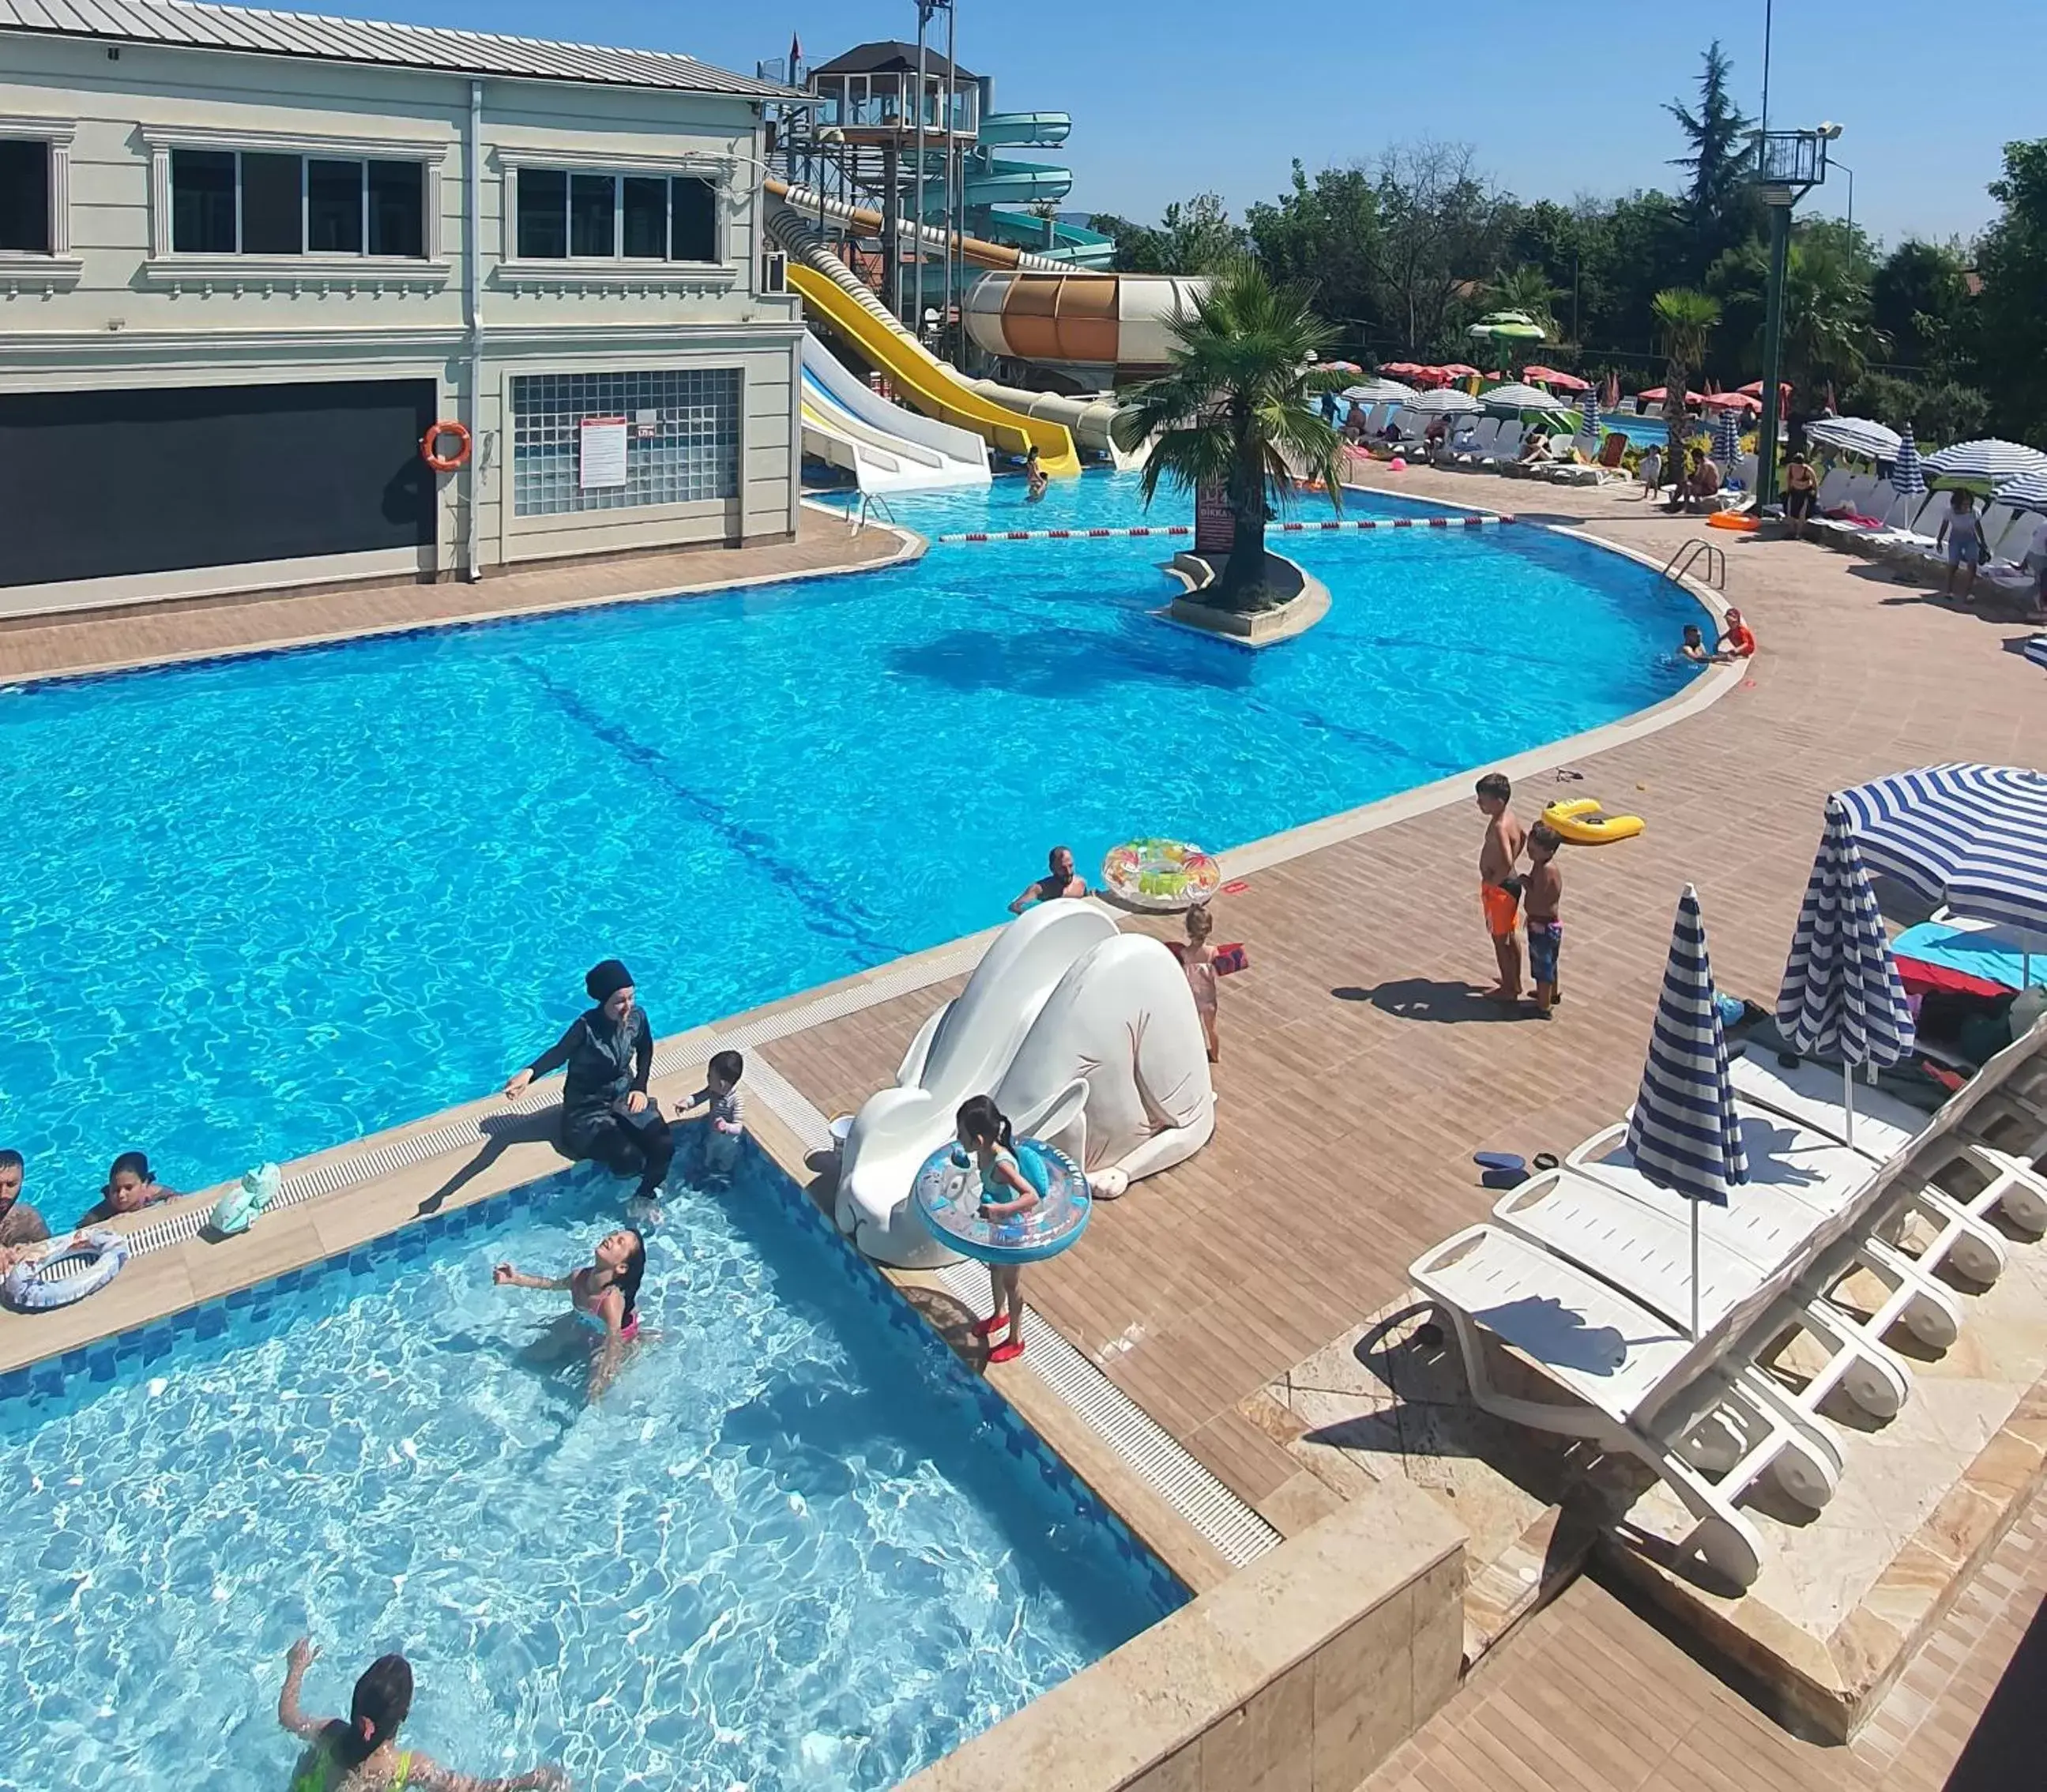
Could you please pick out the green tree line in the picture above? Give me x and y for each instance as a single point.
(1406, 249)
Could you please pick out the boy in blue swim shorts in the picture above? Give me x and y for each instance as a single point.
(1542, 890)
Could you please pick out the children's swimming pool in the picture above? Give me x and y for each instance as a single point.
(796, 1545)
(263, 906)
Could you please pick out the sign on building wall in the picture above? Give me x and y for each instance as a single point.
(1215, 522)
(601, 460)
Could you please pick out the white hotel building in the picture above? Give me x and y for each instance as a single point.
(249, 260)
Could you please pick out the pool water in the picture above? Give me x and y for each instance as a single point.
(796, 1545)
(260, 907)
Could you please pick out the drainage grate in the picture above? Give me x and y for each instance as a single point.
(1238, 1533)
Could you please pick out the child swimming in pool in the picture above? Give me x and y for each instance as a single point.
(604, 1293)
(361, 1754)
(1005, 1192)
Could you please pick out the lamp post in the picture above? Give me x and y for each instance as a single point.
(1789, 165)
(1832, 165)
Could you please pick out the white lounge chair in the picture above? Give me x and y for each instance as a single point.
(1645, 1251)
(1634, 1382)
(1989, 1180)
(1506, 446)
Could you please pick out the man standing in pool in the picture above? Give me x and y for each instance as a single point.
(607, 1114)
(1060, 880)
(1499, 890)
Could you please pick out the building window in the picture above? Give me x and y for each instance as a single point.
(228, 202)
(682, 443)
(610, 217)
(24, 197)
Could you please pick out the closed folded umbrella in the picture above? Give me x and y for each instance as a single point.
(1855, 435)
(1906, 478)
(1974, 837)
(1985, 465)
(1842, 997)
(1588, 418)
(1517, 396)
(1726, 442)
(1446, 400)
(1683, 1133)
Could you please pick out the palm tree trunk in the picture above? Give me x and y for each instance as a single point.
(1676, 379)
(1243, 575)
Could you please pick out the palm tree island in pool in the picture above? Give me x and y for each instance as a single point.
(1234, 411)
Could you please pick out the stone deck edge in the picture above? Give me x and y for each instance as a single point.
(1837, 1683)
(909, 546)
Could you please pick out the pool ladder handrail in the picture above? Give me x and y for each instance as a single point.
(874, 501)
(1681, 563)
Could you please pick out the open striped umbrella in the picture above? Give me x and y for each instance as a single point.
(2027, 492)
(1518, 396)
(1855, 435)
(1974, 837)
(1726, 442)
(1987, 464)
(1841, 996)
(2036, 650)
(1378, 392)
(1444, 399)
(1683, 1134)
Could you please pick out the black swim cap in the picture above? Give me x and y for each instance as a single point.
(605, 981)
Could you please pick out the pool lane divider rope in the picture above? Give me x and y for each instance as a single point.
(1184, 528)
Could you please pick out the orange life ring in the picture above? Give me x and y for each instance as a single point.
(441, 462)
(1732, 520)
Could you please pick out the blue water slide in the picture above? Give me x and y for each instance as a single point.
(994, 183)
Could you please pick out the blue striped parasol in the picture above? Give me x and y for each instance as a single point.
(1588, 416)
(1907, 478)
(1683, 1134)
(1974, 837)
(1842, 996)
(1726, 442)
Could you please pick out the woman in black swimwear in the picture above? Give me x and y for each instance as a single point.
(607, 1115)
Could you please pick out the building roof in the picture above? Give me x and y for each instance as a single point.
(316, 36)
(890, 57)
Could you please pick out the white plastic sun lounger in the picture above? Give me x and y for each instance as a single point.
(1633, 1382)
(1990, 1180)
(1646, 1252)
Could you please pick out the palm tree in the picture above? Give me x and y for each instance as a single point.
(1525, 288)
(1232, 411)
(1686, 318)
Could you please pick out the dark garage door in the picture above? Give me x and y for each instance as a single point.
(94, 484)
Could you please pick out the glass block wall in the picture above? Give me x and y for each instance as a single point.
(682, 443)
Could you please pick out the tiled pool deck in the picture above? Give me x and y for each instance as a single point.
(1360, 1068)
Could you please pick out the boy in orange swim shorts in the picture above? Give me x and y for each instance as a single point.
(1499, 890)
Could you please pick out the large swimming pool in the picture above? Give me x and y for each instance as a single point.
(797, 1546)
(259, 906)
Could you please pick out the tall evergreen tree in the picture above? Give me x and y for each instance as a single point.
(1716, 202)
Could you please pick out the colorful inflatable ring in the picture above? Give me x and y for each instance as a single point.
(1160, 874)
(1581, 823)
(948, 1197)
(35, 1286)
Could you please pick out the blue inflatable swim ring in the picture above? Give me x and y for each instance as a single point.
(82, 1267)
(947, 1193)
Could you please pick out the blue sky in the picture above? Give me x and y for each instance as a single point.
(1169, 97)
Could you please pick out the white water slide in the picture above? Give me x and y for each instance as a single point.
(885, 447)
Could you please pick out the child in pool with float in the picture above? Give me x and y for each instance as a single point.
(1005, 1192)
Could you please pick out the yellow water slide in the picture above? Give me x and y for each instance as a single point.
(915, 374)
(932, 387)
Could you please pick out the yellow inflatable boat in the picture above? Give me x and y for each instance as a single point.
(1582, 823)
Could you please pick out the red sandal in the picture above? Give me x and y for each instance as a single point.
(992, 1324)
(1007, 1353)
